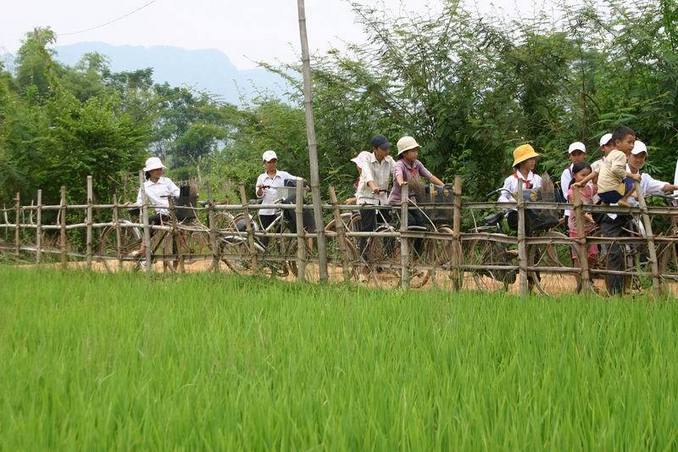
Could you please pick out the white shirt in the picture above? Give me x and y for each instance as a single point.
(511, 184)
(649, 186)
(157, 193)
(372, 170)
(565, 180)
(270, 195)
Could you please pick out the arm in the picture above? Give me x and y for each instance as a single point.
(587, 179)
(398, 175)
(173, 189)
(260, 188)
(505, 195)
(436, 181)
(140, 199)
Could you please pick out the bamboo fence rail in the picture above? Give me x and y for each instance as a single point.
(73, 233)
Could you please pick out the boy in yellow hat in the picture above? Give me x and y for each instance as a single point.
(524, 162)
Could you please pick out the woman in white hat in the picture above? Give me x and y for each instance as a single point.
(267, 184)
(158, 189)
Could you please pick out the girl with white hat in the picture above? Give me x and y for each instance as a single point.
(158, 189)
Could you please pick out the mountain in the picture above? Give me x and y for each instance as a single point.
(204, 70)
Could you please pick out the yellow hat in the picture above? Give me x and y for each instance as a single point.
(522, 153)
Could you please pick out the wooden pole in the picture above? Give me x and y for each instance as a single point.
(38, 229)
(457, 256)
(652, 251)
(146, 225)
(17, 227)
(522, 245)
(312, 148)
(62, 228)
(341, 236)
(404, 242)
(301, 242)
(116, 225)
(88, 239)
(250, 228)
(214, 233)
(582, 247)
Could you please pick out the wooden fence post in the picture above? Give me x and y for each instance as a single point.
(250, 228)
(38, 229)
(301, 238)
(457, 253)
(522, 245)
(116, 225)
(404, 242)
(214, 233)
(582, 247)
(88, 239)
(17, 227)
(146, 225)
(62, 228)
(341, 235)
(652, 251)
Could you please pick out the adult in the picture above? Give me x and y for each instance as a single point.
(375, 167)
(267, 186)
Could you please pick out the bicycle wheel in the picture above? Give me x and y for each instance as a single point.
(350, 248)
(555, 255)
(382, 259)
(234, 247)
(487, 253)
(130, 241)
(442, 259)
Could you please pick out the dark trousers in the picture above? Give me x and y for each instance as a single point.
(615, 252)
(368, 223)
(416, 218)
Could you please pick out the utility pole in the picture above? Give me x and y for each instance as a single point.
(312, 147)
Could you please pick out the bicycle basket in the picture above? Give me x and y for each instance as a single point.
(438, 196)
(188, 198)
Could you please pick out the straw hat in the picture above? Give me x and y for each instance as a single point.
(406, 144)
(522, 153)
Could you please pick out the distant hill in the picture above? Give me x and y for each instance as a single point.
(205, 70)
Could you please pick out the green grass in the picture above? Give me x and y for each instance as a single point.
(97, 362)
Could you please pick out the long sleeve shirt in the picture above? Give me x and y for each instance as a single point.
(532, 182)
(612, 172)
(157, 193)
(372, 170)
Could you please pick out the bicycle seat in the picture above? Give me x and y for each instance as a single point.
(494, 219)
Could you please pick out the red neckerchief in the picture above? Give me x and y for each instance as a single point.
(527, 185)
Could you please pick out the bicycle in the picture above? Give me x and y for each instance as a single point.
(277, 254)
(490, 258)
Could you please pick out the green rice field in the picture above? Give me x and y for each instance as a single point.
(210, 362)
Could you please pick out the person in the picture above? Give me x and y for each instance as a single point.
(580, 170)
(606, 146)
(267, 184)
(158, 189)
(524, 162)
(648, 184)
(615, 184)
(409, 170)
(576, 153)
(375, 168)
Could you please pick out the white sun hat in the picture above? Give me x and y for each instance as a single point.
(269, 155)
(605, 139)
(153, 163)
(406, 144)
(576, 146)
(638, 148)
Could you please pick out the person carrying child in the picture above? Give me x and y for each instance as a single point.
(615, 183)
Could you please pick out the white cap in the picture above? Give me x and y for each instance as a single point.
(605, 139)
(638, 148)
(576, 146)
(269, 155)
(406, 144)
(153, 163)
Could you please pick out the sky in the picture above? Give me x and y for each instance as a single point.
(246, 31)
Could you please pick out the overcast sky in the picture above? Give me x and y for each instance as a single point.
(246, 31)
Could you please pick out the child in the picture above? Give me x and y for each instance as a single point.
(524, 162)
(576, 153)
(615, 183)
(408, 169)
(580, 171)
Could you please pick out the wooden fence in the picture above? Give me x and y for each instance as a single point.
(462, 253)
